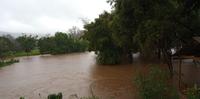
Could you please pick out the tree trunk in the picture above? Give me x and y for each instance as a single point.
(168, 60)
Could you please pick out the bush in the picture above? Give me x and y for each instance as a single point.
(55, 96)
(27, 42)
(155, 85)
(21, 98)
(193, 93)
(108, 57)
(8, 62)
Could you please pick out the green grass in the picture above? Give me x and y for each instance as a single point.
(9, 59)
(9, 62)
(33, 52)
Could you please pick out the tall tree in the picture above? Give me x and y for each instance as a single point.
(152, 27)
(157, 26)
(46, 45)
(5, 47)
(99, 35)
(27, 42)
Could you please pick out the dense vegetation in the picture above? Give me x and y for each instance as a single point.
(151, 27)
(27, 42)
(11, 47)
(61, 43)
(6, 49)
(26, 45)
(155, 84)
(6, 46)
(193, 93)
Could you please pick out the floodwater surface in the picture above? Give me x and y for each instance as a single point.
(35, 77)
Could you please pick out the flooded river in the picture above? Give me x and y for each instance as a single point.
(37, 76)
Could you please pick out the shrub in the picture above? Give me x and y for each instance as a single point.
(193, 93)
(155, 85)
(108, 57)
(55, 96)
(21, 98)
(8, 62)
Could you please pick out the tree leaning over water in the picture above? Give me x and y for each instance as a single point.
(99, 35)
(152, 27)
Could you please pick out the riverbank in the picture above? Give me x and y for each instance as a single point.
(32, 53)
(10, 58)
(22, 53)
(8, 62)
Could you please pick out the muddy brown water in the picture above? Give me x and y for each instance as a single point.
(37, 76)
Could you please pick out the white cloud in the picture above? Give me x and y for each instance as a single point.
(47, 16)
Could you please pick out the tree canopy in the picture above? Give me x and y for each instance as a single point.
(151, 27)
(61, 43)
(27, 42)
(5, 47)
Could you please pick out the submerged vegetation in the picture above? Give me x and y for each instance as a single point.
(193, 93)
(155, 85)
(151, 27)
(8, 62)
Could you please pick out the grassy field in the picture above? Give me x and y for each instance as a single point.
(33, 52)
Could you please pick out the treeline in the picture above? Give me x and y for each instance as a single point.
(60, 43)
(151, 27)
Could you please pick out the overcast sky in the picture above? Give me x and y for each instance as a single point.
(47, 16)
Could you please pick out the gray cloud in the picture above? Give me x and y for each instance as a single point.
(47, 16)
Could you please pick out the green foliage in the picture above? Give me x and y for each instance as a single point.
(152, 27)
(99, 34)
(27, 42)
(46, 45)
(22, 53)
(21, 98)
(100, 37)
(61, 43)
(9, 46)
(155, 85)
(193, 93)
(108, 57)
(6, 46)
(156, 25)
(27, 45)
(55, 96)
(8, 62)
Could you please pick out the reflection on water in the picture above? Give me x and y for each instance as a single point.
(37, 76)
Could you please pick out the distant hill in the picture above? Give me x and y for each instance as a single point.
(10, 33)
(15, 35)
